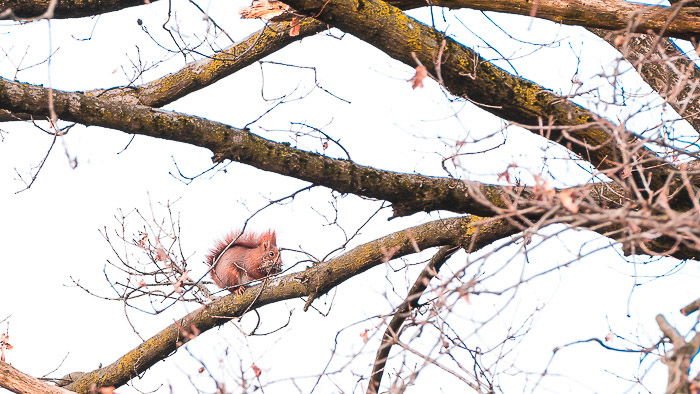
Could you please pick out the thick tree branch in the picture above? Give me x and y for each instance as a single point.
(410, 193)
(464, 73)
(274, 37)
(605, 14)
(207, 71)
(690, 308)
(312, 283)
(27, 9)
(17, 381)
(611, 15)
(609, 208)
(200, 74)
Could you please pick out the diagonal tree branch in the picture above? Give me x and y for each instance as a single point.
(268, 40)
(404, 311)
(410, 193)
(665, 68)
(609, 211)
(17, 381)
(464, 73)
(313, 282)
(205, 72)
(200, 74)
(611, 14)
(674, 21)
(27, 9)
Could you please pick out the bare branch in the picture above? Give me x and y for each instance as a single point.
(690, 308)
(402, 312)
(671, 21)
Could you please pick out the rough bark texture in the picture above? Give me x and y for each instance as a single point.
(472, 231)
(65, 8)
(205, 72)
(665, 68)
(678, 359)
(14, 380)
(612, 15)
(606, 14)
(410, 193)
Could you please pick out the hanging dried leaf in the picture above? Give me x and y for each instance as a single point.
(619, 40)
(256, 370)
(417, 80)
(103, 390)
(142, 241)
(178, 285)
(4, 345)
(295, 26)
(365, 336)
(161, 254)
(567, 200)
(264, 9)
(543, 190)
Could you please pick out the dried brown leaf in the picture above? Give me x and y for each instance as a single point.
(264, 9)
(543, 190)
(365, 336)
(567, 200)
(619, 40)
(178, 285)
(161, 254)
(256, 370)
(417, 80)
(295, 26)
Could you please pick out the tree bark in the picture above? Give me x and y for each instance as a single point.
(17, 381)
(27, 9)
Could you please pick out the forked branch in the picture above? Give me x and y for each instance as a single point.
(678, 359)
(404, 311)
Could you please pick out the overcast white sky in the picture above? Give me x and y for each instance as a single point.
(51, 232)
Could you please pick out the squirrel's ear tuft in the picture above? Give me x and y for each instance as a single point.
(268, 239)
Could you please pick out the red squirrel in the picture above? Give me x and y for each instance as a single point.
(251, 256)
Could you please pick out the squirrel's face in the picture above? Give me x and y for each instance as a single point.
(271, 261)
